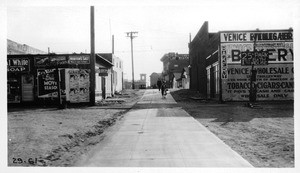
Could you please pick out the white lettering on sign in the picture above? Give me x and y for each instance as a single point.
(16, 69)
(234, 37)
(224, 71)
(18, 62)
(237, 36)
(50, 83)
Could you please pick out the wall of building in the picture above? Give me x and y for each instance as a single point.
(153, 79)
(275, 70)
(221, 64)
(117, 74)
(173, 63)
(202, 52)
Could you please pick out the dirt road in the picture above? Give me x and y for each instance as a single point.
(53, 137)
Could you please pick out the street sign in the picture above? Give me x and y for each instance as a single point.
(249, 58)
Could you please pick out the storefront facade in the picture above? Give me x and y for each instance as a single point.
(20, 79)
(38, 78)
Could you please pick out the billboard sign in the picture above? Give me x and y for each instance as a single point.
(273, 60)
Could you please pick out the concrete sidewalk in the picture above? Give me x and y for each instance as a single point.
(157, 133)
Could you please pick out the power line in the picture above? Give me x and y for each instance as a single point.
(148, 29)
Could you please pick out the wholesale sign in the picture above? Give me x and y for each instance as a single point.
(272, 58)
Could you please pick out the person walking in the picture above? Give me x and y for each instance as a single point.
(159, 84)
(163, 89)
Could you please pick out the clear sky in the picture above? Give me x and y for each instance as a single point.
(163, 25)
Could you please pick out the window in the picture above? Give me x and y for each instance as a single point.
(208, 81)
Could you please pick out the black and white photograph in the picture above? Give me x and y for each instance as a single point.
(149, 86)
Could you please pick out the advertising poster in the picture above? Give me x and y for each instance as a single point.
(13, 90)
(47, 83)
(78, 85)
(274, 80)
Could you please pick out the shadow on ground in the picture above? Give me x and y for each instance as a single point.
(154, 106)
(230, 111)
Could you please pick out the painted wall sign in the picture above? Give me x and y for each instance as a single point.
(254, 57)
(227, 37)
(275, 78)
(18, 65)
(79, 59)
(224, 73)
(42, 61)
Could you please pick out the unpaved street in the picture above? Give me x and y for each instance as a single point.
(53, 137)
(153, 133)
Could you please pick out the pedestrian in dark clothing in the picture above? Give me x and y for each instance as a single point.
(159, 84)
(163, 89)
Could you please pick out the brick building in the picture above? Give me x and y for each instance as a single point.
(204, 65)
(228, 64)
(173, 64)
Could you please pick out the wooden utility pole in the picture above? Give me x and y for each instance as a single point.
(92, 61)
(113, 45)
(252, 95)
(130, 34)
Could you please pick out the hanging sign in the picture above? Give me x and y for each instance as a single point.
(103, 71)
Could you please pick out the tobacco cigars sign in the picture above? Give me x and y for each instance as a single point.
(18, 65)
(47, 83)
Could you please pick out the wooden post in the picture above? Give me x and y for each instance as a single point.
(92, 61)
